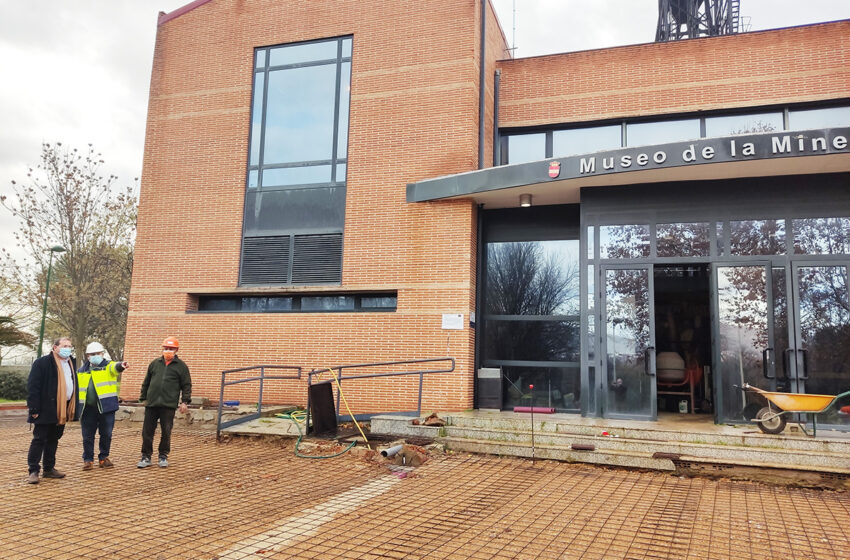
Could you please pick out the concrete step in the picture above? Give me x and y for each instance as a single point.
(611, 457)
(747, 436)
(635, 447)
(737, 453)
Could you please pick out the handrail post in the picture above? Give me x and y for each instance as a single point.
(309, 385)
(338, 390)
(419, 405)
(260, 398)
(220, 404)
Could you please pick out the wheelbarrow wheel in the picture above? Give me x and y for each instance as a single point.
(770, 421)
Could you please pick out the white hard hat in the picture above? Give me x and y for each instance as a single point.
(94, 348)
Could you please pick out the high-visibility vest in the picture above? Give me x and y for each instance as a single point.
(105, 386)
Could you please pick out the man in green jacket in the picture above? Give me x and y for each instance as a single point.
(167, 377)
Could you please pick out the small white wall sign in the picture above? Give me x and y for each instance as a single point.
(453, 321)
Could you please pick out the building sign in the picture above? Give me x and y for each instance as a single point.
(752, 147)
(713, 150)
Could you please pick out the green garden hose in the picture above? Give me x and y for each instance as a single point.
(298, 417)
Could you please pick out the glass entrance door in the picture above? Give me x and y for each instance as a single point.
(629, 342)
(820, 350)
(744, 337)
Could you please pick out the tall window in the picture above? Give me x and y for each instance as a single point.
(295, 191)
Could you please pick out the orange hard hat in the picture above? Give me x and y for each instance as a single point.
(171, 342)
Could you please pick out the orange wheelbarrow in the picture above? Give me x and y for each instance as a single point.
(772, 419)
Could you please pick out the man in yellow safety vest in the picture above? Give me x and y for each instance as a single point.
(98, 400)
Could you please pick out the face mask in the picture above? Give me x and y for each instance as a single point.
(96, 359)
(168, 354)
(65, 353)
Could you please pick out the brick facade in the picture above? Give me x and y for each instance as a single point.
(414, 114)
(781, 66)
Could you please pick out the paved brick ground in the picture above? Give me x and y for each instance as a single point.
(239, 500)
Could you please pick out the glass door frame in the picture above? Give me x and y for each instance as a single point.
(650, 351)
(768, 353)
(798, 366)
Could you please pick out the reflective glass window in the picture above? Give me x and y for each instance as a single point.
(721, 246)
(299, 54)
(257, 117)
(661, 132)
(819, 118)
(743, 124)
(533, 278)
(541, 341)
(261, 58)
(585, 140)
(757, 237)
(683, 240)
(554, 387)
(822, 236)
(624, 242)
(526, 147)
(344, 97)
(300, 115)
(327, 303)
(380, 302)
(297, 175)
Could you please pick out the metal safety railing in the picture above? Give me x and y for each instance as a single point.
(339, 374)
(262, 379)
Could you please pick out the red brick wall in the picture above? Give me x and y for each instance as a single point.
(414, 114)
(781, 66)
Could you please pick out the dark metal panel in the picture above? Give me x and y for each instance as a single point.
(295, 211)
(824, 195)
(538, 223)
(265, 260)
(317, 259)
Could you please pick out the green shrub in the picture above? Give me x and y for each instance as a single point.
(13, 386)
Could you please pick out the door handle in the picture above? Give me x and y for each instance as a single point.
(649, 360)
(767, 363)
(805, 353)
(786, 361)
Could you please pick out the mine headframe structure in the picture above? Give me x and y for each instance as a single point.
(689, 19)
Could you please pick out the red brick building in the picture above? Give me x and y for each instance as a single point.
(319, 189)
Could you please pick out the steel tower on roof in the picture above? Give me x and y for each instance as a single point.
(689, 19)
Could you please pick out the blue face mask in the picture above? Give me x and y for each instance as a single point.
(65, 353)
(96, 359)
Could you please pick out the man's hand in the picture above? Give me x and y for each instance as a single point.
(183, 407)
(125, 365)
(35, 415)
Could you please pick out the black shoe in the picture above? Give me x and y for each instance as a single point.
(53, 473)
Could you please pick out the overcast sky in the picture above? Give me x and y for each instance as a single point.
(78, 71)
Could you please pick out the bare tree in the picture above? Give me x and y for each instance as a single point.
(68, 201)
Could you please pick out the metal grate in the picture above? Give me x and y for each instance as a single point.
(317, 259)
(265, 260)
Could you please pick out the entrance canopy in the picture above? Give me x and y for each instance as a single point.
(559, 180)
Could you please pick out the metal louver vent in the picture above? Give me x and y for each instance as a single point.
(265, 260)
(317, 259)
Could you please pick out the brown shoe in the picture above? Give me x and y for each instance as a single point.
(105, 463)
(87, 465)
(32, 478)
(53, 473)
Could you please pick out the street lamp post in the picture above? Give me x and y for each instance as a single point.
(54, 249)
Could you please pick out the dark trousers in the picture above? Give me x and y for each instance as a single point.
(165, 416)
(45, 440)
(93, 421)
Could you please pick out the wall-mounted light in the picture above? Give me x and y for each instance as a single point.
(525, 200)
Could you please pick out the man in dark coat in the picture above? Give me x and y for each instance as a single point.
(51, 400)
(167, 388)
